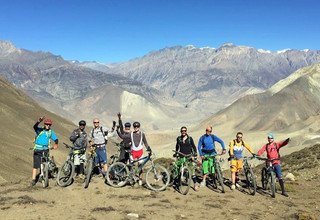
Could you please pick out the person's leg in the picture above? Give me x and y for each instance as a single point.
(36, 166)
(205, 169)
(233, 169)
(277, 169)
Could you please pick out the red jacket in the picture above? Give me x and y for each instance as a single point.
(273, 150)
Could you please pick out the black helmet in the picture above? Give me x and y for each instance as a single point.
(127, 125)
(82, 122)
(136, 124)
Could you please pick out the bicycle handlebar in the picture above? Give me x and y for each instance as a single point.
(182, 154)
(266, 159)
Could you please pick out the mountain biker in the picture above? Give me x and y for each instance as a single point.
(272, 148)
(138, 139)
(125, 135)
(185, 145)
(79, 138)
(206, 148)
(41, 144)
(99, 137)
(236, 157)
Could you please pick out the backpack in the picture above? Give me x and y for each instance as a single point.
(180, 141)
(49, 133)
(234, 144)
(104, 135)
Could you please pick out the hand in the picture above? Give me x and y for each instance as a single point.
(55, 146)
(223, 151)
(119, 115)
(254, 155)
(41, 118)
(149, 149)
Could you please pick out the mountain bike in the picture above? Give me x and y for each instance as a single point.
(90, 164)
(119, 174)
(268, 176)
(180, 172)
(251, 182)
(67, 171)
(48, 168)
(215, 177)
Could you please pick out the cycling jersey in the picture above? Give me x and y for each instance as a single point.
(206, 144)
(43, 137)
(236, 148)
(272, 150)
(186, 146)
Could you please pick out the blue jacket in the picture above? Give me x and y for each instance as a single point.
(206, 144)
(43, 137)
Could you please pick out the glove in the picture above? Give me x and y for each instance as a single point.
(41, 119)
(254, 155)
(231, 157)
(119, 115)
(114, 123)
(149, 149)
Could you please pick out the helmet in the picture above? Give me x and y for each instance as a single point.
(270, 135)
(47, 121)
(82, 122)
(136, 124)
(127, 125)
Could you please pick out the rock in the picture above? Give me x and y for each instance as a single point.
(134, 215)
(182, 216)
(290, 177)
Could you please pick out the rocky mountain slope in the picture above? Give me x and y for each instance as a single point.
(209, 78)
(18, 113)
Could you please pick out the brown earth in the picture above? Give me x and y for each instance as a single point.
(100, 201)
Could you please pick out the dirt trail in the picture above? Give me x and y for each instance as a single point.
(100, 201)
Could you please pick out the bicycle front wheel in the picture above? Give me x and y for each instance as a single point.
(219, 178)
(117, 174)
(157, 178)
(264, 178)
(45, 175)
(251, 181)
(66, 173)
(272, 179)
(185, 180)
(88, 172)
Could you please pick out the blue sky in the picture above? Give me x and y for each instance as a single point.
(115, 30)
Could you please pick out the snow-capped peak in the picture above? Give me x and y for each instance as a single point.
(283, 51)
(264, 51)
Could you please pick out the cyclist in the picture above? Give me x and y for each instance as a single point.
(272, 148)
(185, 145)
(99, 138)
(138, 139)
(125, 135)
(236, 154)
(41, 144)
(79, 138)
(206, 148)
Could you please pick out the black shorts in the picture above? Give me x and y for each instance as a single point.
(37, 158)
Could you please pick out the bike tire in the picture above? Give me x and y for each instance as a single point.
(172, 173)
(88, 172)
(157, 178)
(264, 178)
(45, 177)
(219, 178)
(251, 181)
(185, 180)
(273, 184)
(117, 174)
(66, 174)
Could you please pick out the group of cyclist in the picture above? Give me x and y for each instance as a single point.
(134, 140)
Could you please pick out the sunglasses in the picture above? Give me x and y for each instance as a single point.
(95, 122)
(183, 130)
(48, 124)
(208, 131)
(239, 136)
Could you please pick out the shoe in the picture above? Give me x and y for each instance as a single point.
(285, 194)
(121, 183)
(233, 187)
(203, 184)
(196, 187)
(238, 185)
(33, 183)
(140, 183)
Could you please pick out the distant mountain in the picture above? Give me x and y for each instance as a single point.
(291, 105)
(210, 79)
(18, 115)
(61, 85)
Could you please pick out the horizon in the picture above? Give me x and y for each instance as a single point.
(112, 31)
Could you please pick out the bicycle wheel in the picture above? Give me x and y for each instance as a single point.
(251, 181)
(272, 179)
(185, 180)
(219, 178)
(66, 173)
(172, 171)
(88, 172)
(157, 178)
(45, 175)
(117, 174)
(264, 179)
